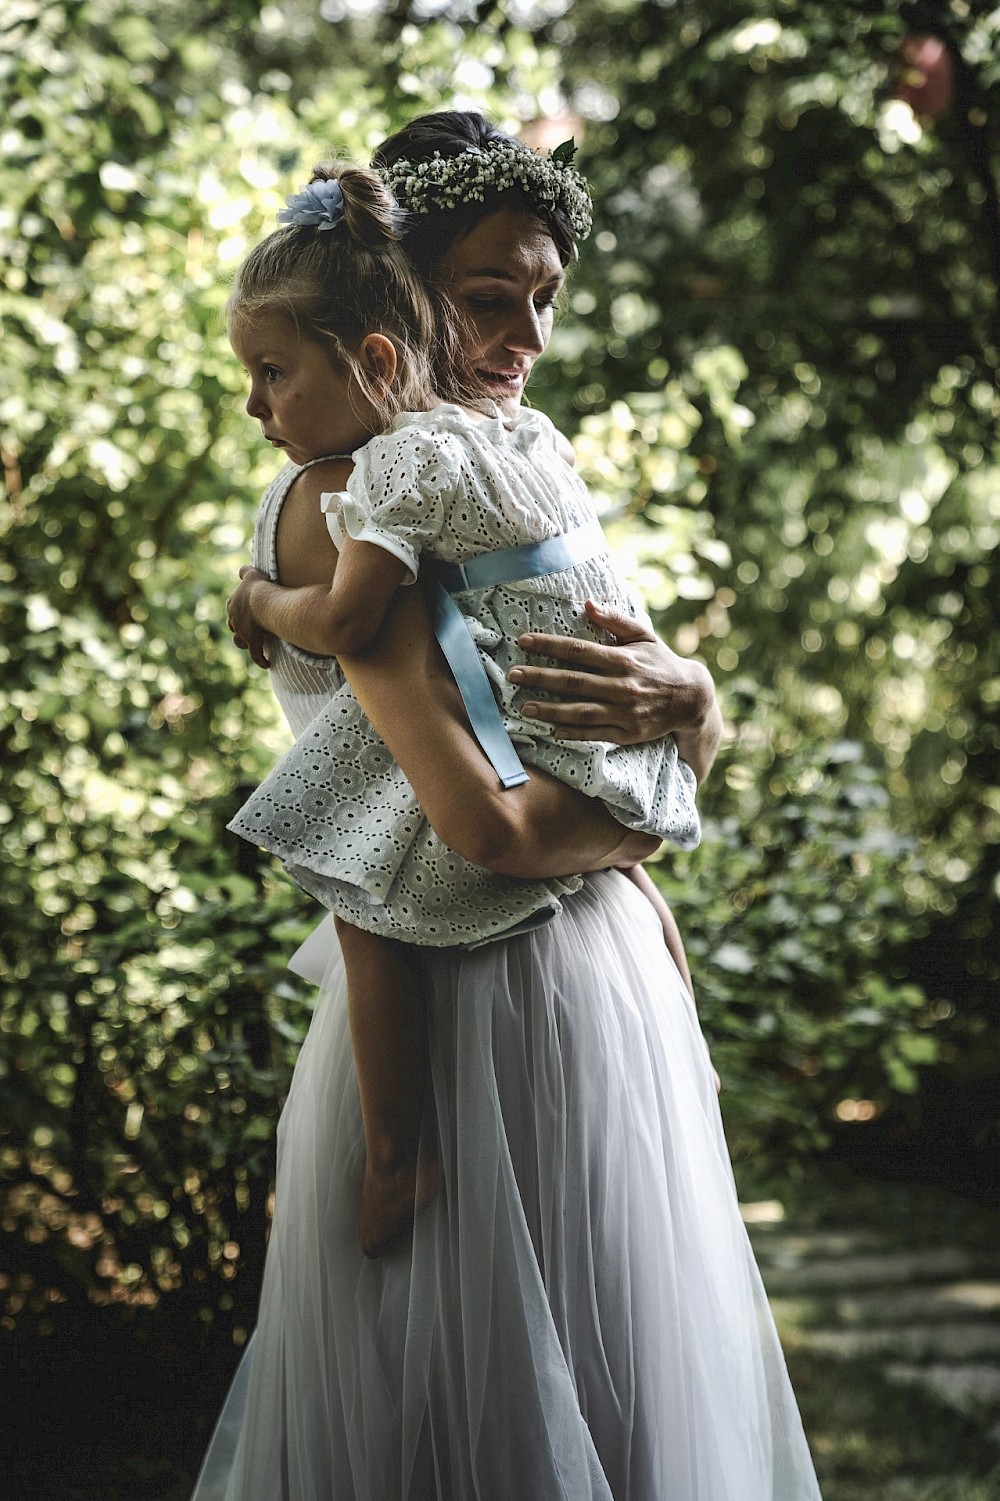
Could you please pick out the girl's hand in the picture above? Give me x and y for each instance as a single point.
(247, 634)
(632, 691)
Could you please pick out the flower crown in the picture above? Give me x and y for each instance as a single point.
(444, 182)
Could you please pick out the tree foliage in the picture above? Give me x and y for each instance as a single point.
(778, 356)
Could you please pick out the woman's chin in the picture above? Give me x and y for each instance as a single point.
(507, 400)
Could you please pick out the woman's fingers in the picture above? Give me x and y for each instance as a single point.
(634, 691)
(585, 656)
(593, 657)
(624, 628)
(570, 684)
(578, 721)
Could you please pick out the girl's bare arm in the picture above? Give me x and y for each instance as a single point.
(326, 619)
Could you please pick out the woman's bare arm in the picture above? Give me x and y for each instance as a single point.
(403, 683)
(632, 691)
(539, 829)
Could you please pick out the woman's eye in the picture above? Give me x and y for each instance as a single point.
(543, 304)
(484, 304)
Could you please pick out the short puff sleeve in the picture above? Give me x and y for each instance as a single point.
(399, 494)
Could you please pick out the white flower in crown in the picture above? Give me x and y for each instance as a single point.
(444, 182)
(320, 205)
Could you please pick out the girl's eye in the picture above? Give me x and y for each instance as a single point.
(271, 372)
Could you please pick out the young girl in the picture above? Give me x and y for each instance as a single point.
(345, 358)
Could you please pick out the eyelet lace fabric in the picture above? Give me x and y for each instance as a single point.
(344, 820)
(336, 810)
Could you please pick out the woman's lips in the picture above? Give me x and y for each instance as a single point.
(507, 380)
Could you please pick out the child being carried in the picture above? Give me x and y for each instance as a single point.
(344, 355)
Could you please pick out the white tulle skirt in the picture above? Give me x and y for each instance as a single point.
(579, 1316)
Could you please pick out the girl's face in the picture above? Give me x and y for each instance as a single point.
(504, 277)
(305, 405)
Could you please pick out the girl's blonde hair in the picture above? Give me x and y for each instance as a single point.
(337, 285)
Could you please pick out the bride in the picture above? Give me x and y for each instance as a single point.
(578, 1314)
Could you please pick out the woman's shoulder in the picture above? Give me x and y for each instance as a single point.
(301, 483)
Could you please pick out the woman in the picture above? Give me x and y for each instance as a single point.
(578, 1314)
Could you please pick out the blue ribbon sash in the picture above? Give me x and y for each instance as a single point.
(508, 566)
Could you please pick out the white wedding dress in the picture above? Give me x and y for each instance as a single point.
(578, 1315)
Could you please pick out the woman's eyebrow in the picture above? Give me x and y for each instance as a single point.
(498, 273)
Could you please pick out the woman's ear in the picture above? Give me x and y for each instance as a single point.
(378, 358)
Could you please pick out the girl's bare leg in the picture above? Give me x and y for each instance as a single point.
(388, 1020)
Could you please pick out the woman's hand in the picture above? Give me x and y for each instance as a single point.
(542, 828)
(247, 634)
(634, 690)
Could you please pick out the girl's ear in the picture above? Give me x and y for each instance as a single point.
(378, 357)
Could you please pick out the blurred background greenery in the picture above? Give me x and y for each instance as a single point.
(778, 361)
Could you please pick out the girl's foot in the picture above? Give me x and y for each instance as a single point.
(390, 1197)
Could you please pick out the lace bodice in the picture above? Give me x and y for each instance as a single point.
(302, 683)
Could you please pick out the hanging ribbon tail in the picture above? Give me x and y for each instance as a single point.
(462, 656)
(507, 565)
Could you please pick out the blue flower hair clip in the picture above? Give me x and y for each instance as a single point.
(320, 205)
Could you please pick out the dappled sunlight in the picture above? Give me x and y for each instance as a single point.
(777, 360)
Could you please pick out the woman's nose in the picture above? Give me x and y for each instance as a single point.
(525, 334)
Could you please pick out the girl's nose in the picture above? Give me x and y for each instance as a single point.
(255, 407)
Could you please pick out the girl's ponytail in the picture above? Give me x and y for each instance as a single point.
(370, 213)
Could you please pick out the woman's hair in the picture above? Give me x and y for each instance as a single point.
(432, 232)
(340, 280)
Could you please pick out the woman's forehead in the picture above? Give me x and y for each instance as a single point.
(509, 244)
